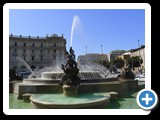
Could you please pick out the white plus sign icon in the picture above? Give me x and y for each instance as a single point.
(147, 99)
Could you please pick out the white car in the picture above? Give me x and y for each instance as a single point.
(141, 77)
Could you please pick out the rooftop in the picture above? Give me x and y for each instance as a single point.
(37, 37)
(136, 49)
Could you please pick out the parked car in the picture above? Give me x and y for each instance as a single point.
(141, 77)
(25, 74)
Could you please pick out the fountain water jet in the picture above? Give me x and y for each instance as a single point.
(75, 24)
(23, 62)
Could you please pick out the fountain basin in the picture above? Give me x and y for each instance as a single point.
(86, 86)
(60, 101)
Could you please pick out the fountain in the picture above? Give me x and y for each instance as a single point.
(75, 23)
(69, 83)
(75, 86)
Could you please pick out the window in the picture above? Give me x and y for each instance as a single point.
(41, 51)
(24, 57)
(15, 44)
(33, 45)
(54, 51)
(41, 44)
(24, 45)
(32, 58)
(33, 67)
(24, 51)
(32, 51)
(54, 44)
(41, 57)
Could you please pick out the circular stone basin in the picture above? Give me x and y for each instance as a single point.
(60, 101)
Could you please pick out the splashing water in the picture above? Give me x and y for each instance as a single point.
(39, 72)
(75, 24)
(23, 62)
(94, 67)
(87, 71)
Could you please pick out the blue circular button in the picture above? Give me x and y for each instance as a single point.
(147, 99)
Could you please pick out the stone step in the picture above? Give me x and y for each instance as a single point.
(114, 95)
(26, 97)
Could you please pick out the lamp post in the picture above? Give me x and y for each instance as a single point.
(101, 49)
(139, 56)
(101, 54)
(132, 58)
(86, 50)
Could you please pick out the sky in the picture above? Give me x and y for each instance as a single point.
(113, 29)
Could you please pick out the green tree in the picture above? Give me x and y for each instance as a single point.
(118, 62)
(135, 61)
(106, 63)
(117, 51)
(13, 75)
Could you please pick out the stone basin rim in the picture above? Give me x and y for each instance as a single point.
(106, 97)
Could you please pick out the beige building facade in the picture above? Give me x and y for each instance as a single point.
(92, 57)
(36, 52)
(113, 55)
(139, 52)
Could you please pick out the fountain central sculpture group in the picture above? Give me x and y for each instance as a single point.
(70, 81)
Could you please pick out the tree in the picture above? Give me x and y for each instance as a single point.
(118, 62)
(13, 75)
(135, 61)
(106, 63)
(118, 51)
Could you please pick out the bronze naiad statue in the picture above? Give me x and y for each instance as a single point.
(127, 73)
(71, 71)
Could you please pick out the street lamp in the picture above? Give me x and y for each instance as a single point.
(139, 56)
(86, 50)
(101, 49)
(132, 58)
